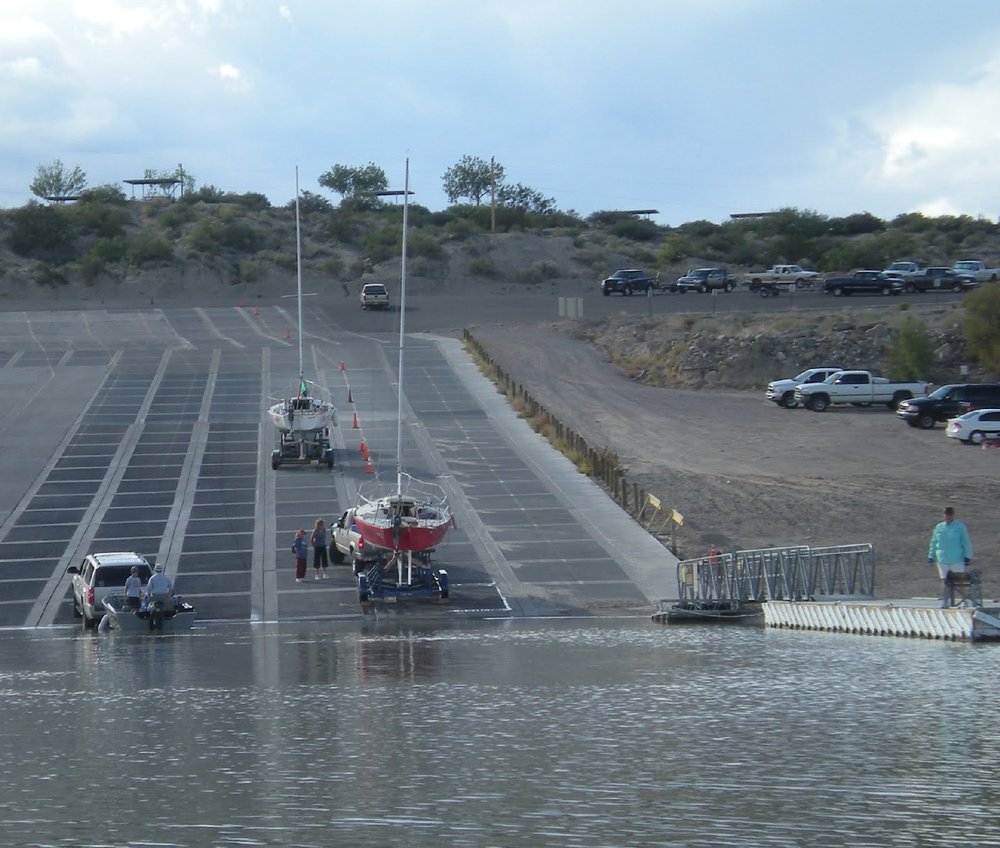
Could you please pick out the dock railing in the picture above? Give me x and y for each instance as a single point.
(791, 573)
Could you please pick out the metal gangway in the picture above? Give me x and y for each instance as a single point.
(799, 573)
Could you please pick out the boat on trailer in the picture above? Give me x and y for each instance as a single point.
(411, 520)
(303, 421)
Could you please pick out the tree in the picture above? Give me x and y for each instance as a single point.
(473, 178)
(54, 182)
(911, 354)
(356, 185)
(522, 197)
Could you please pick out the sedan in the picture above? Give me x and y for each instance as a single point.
(975, 427)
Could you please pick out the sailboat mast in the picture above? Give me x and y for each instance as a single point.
(298, 272)
(402, 327)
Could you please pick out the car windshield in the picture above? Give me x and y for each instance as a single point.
(942, 392)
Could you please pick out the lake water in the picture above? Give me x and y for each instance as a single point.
(496, 733)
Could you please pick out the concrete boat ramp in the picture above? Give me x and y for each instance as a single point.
(829, 589)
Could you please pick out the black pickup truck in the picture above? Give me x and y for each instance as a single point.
(863, 282)
(627, 281)
(937, 278)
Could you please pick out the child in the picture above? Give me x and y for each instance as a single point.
(300, 551)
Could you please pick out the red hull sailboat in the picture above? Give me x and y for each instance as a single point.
(416, 516)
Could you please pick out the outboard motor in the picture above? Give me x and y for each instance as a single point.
(156, 615)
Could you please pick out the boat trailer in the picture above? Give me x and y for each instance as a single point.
(401, 575)
(303, 447)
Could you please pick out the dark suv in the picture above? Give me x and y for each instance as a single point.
(627, 281)
(948, 402)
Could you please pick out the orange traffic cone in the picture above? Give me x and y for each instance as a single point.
(242, 303)
(288, 332)
(355, 425)
(256, 311)
(368, 467)
(364, 451)
(343, 367)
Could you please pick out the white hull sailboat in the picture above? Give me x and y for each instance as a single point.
(303, 421)
(415, 516)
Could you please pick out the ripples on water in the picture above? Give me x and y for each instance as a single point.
(562, 733)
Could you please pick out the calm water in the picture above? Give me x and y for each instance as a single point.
(562, 733)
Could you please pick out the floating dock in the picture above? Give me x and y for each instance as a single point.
(916, 618)
(829, 589)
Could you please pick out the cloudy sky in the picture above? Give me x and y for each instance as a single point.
(697, 108)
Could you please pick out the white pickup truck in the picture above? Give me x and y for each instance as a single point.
(977, 269)
(346, 542)
(782, 392)
(858, 388)
(904, 269)
(782, 275)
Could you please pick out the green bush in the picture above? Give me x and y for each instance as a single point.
(981, 326)
(483, 266)
(425, 244)
(143, 249)
(910, 355)
(176, 215)
(42, 232)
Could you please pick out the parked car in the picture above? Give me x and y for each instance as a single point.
(100, 575)
(939, 278)
(782, 392)
(374, 296)
(863, 282)
(627, 281)
(948, 402)
(975, 427)
(904, 269)
(705, 280)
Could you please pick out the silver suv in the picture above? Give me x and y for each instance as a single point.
(374, 296)
(101, 575)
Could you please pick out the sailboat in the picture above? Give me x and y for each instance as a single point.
(415, 516)
(302, 420)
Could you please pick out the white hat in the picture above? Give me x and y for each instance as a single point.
(158, 567)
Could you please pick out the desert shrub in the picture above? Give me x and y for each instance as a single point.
(421, 243)
(206, 237)
(42, 232)
(462, 228)
(174, 216)
(483, 266)
(381, 243)
(205, 194)
(981, 326)
(421, 266)
(143, 249)
(46, 275)
(108, 193)
(636, 229)
(910, 354)
(253, 200)
(331, 266)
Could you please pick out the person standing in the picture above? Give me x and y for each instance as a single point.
(318, 540)
(133, 589)
(301, 555)
(951, 551)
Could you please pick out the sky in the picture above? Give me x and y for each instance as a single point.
(696, 108)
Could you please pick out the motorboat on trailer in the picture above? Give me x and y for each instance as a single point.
(178, 616)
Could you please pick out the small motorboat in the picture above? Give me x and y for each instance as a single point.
(175, 617)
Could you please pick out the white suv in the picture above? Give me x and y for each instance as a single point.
(101, 575)
(374, 296)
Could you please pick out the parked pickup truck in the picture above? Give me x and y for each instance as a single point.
(788, 275)
(939, 278)
(346, 542)
(864, 282)
(859, 388)
(977, 269)
(948, 402)
(903, 269)
(782, 392)
(705, 280)
(629, 280)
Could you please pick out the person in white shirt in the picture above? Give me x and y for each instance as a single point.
(159, 587)
(133, 589)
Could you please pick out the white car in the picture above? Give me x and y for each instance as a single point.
(975, 427)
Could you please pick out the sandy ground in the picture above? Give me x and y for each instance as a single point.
(746, 473)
